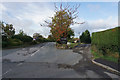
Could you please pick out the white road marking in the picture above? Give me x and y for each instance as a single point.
(19, 64)
(42, 47)
(111, 75)
(34, 53)
(7, 71)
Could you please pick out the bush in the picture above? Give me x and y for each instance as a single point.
(34, 42)
(71, 40)
(108, 39)
(41, 40)
(4, 44)
(27, 39)
(15, 42)
(61, 46)
(23, 38)
(4, 38)
(4, 41)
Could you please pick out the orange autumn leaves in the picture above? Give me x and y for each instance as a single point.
(60, 24)
(60, 32)
(64, 17)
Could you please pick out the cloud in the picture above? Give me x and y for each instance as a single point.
(2, 8)
(95, 25)
(28, 16)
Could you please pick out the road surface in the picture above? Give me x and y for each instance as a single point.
(45, 61)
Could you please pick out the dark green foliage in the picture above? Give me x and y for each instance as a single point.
(27, 39)
(7, 29)
(23, 37)
(4, 44)
(11, 42)
(4, 38)
(39, 38)
(58, 42)
(15, 42)
(85, 37)
(70, 33)
(71, 40)
(33, 42)
(108, 39)
(51, 38)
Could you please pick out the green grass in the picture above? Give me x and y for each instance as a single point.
(109, 58)
(95, 55)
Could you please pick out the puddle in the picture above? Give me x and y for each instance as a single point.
(65, 66)
(6, 60)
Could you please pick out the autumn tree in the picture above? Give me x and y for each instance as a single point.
(63, 18)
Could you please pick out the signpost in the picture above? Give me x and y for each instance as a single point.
(63, 40)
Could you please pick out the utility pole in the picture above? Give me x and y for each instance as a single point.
(79, 37)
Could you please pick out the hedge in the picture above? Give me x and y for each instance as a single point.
(108, 39)
(23, 38)
(4, 43)
(15, 42)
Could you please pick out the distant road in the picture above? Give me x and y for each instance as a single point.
(48, 62)
(9, 51)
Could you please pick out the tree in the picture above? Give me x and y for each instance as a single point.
(51, 38)
(7, 30)
(85, 37)
(63, 18)
(37, 36)
(23, 37)
(70, 33)
(21, 32)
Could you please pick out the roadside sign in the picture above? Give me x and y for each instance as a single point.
(63, 40)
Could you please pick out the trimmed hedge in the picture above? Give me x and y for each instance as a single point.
(4, 43)
(23, 38)
(108, 39)
(15, 42)
(11, 42)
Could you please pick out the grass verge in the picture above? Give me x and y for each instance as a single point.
(107, 57)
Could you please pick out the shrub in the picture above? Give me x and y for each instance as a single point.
(23, 38)
(4, 44)
(4, 41)
(41, 40)
(4, 38)
(15, 42)
(108, 39)
(34, 42)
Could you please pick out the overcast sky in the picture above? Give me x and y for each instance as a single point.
(28, 16)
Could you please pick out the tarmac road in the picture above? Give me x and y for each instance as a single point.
(45, 61)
